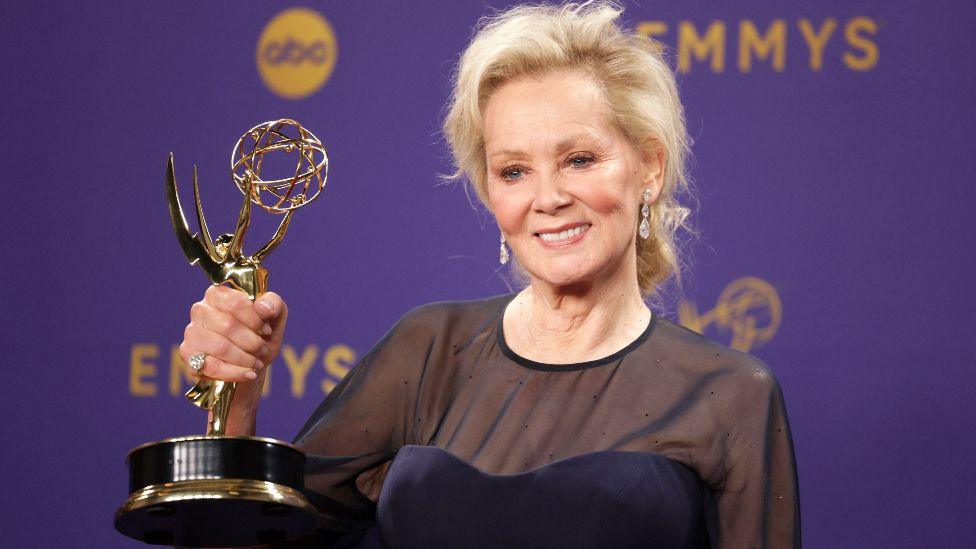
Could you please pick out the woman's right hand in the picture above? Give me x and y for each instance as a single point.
(239, 339)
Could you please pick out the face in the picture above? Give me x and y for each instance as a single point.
(564, 183)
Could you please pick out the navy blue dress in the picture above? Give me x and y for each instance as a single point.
(442, 436)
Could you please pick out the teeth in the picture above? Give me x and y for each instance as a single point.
(564, 235)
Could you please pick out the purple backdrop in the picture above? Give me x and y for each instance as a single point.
(845, 185)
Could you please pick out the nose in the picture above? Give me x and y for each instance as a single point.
(550, 194)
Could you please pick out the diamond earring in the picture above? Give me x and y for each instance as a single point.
(645, 225)
(503, 256)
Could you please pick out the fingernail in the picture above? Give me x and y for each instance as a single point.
(251, 375)
(266, 330)
(266, 305)
(263, 351)
(258, 365)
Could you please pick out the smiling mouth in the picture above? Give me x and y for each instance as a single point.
(565, 236)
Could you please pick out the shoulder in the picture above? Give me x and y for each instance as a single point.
(427, 331)
(451, 316)
(744, 376)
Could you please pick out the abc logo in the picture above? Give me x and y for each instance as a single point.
(296, 53)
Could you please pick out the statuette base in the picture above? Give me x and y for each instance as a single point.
(216, 492)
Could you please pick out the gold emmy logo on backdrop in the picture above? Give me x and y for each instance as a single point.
(217, 490)
(296, 53)
(749, 308)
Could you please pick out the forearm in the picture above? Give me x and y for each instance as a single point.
(240, 422)
(241, 419)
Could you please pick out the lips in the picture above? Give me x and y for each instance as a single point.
(566, 234)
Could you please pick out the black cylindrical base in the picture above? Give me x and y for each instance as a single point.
(216, 492)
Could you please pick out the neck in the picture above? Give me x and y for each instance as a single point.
(579, 322)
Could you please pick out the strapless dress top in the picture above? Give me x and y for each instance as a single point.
(443, 437)
(433, 499)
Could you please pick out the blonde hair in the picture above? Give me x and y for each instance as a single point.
(638, 85)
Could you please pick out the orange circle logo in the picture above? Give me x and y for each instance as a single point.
(296, 53)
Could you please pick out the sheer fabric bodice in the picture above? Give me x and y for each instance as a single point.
(673, 441)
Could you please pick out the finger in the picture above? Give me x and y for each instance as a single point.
(235, 302)
(215, 368)
(271, 307)
(214, 344)
(228, 326)
(276, 309)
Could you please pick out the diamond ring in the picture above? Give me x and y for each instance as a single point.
(196, 361)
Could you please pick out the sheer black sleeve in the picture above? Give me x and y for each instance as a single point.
(361, 424)
(757, 498)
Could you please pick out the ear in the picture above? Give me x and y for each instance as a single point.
(653, 159)
(486, 202)
(482, 196)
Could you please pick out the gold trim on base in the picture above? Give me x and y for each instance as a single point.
(238, 489)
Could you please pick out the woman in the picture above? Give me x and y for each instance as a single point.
(567, 414)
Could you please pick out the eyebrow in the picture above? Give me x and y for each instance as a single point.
(562, 145)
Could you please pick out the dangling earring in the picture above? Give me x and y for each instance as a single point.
(503, 252)
(645, 225)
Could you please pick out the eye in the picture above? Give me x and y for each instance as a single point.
(580, 160)
(513, 172)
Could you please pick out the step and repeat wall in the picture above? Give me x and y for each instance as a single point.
(833, 163)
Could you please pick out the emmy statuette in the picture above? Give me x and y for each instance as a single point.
(218, 490)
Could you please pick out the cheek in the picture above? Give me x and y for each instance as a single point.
(606, 204)
(508, 209)
(612, 206)
(607, 200)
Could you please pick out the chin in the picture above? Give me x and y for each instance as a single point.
(564, 277)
